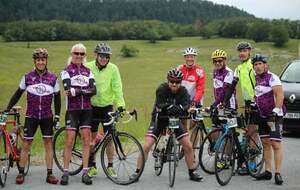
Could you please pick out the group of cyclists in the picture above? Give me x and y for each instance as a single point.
(92, 89)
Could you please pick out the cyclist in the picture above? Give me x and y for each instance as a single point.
(79, 86)
(194, 81)
(269, 99)
(41, 87)
(172, 99)
(109, 91)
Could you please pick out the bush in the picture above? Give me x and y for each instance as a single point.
(128, 51)
(279, 35)
(259, 31)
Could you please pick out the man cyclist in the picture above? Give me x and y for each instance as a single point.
(269, 99)
(109, 91)
(79, 86)
(194, 81)
(41, 87)
(172, 99)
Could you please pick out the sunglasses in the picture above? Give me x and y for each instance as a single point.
(175, 81)
(218, 61)
(79, 53)
(104, 56)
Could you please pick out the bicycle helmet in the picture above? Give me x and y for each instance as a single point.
(243, 45)
(219, 53)
(259, 57)
(175, 74)
(190, 51)
(40, 53)
(103, 48)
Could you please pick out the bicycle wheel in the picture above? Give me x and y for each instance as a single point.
(207, 151)
(224, 159)
(124, 153)
(4, 161)
(26, 167)
(59, 140)
(172, 157)
(158, 158)
(196, 138)
(254, 154)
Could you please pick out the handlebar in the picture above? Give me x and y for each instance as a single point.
(116, 115)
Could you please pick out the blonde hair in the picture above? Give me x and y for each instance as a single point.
(78, 46)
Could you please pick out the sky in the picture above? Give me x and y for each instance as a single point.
(271, 9)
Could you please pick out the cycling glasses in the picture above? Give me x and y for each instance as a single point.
(79, 53)
(218, 61)
(175, 81)
(103, 56)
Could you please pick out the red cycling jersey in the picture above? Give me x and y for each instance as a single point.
(193, 81)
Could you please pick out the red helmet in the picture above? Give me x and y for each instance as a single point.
(40, 53)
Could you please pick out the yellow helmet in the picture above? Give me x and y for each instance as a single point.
(219, 53)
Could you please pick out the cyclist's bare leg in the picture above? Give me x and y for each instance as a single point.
(267, 154)
(149, 141)
(24, 152)
(185, 124)
(70, 137)
(110, 152)
(86, 139)
(188, 151)
(48, 152)
(277, 148)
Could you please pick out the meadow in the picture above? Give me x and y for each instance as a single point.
(140, 75)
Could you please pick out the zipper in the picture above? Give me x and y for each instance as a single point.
(80, 89)
(40, 106)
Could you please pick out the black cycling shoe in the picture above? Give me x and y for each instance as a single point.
(278, 179)
(64, 180)
(195, 176)
(86, 179)
(242, 171)
(264, 176)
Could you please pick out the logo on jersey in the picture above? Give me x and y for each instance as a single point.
(191, 78)
(40, 89)
(80, 80)
(200, 73)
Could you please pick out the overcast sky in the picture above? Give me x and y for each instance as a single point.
(289, 9)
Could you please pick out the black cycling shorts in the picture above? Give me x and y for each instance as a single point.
(274, 133)
(100, 115)
(155, 130)
(31, 125)
(78, 118)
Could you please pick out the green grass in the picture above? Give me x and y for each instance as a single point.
(141, 75)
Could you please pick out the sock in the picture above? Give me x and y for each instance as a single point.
(191, 171)
(85, 170)
(110, 165)
(66, 172)
(21, 170)
(49, 172)
(137, 171)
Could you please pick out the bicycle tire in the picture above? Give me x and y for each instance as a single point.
(225, 160)
(4, 161)
(254, 154)
(196, 138)
(19, 148)
(207, 153)
(58, 152)
(27, 166)
(132, 149)
(172, 158)
(158, 158)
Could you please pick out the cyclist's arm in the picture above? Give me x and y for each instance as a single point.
(91, 91)
(231, 87)
(117, 88)
(161, 100)
(57, 100)
(185, 100)
(17, 95)
(277, 90)
(200, 85)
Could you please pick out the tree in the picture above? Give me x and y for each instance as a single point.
(279, 35)
(259, 31)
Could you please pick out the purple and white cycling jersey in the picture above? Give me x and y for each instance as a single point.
(222, 78)
(264, 96)
(40, 91)
(79, 76)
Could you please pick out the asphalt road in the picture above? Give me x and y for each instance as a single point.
(290, 172)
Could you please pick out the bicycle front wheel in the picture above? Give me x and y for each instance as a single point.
(207, 151)
(224, 159)
(59, 140)
(123, 151)
(4, 161)
(172, 157)
(196, 138)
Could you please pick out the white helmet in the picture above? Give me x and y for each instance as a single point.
(190, 51)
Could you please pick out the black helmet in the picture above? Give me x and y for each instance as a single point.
(243, 45)
(259, 57)
(175, 74)
(103, 49)
(40, 53)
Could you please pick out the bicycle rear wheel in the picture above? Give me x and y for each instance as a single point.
(254, 154)
(124, 154)
(196, 138)
(225, 160)
(59, 140)
(172, 157)
(4, 161)
(207, 151)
